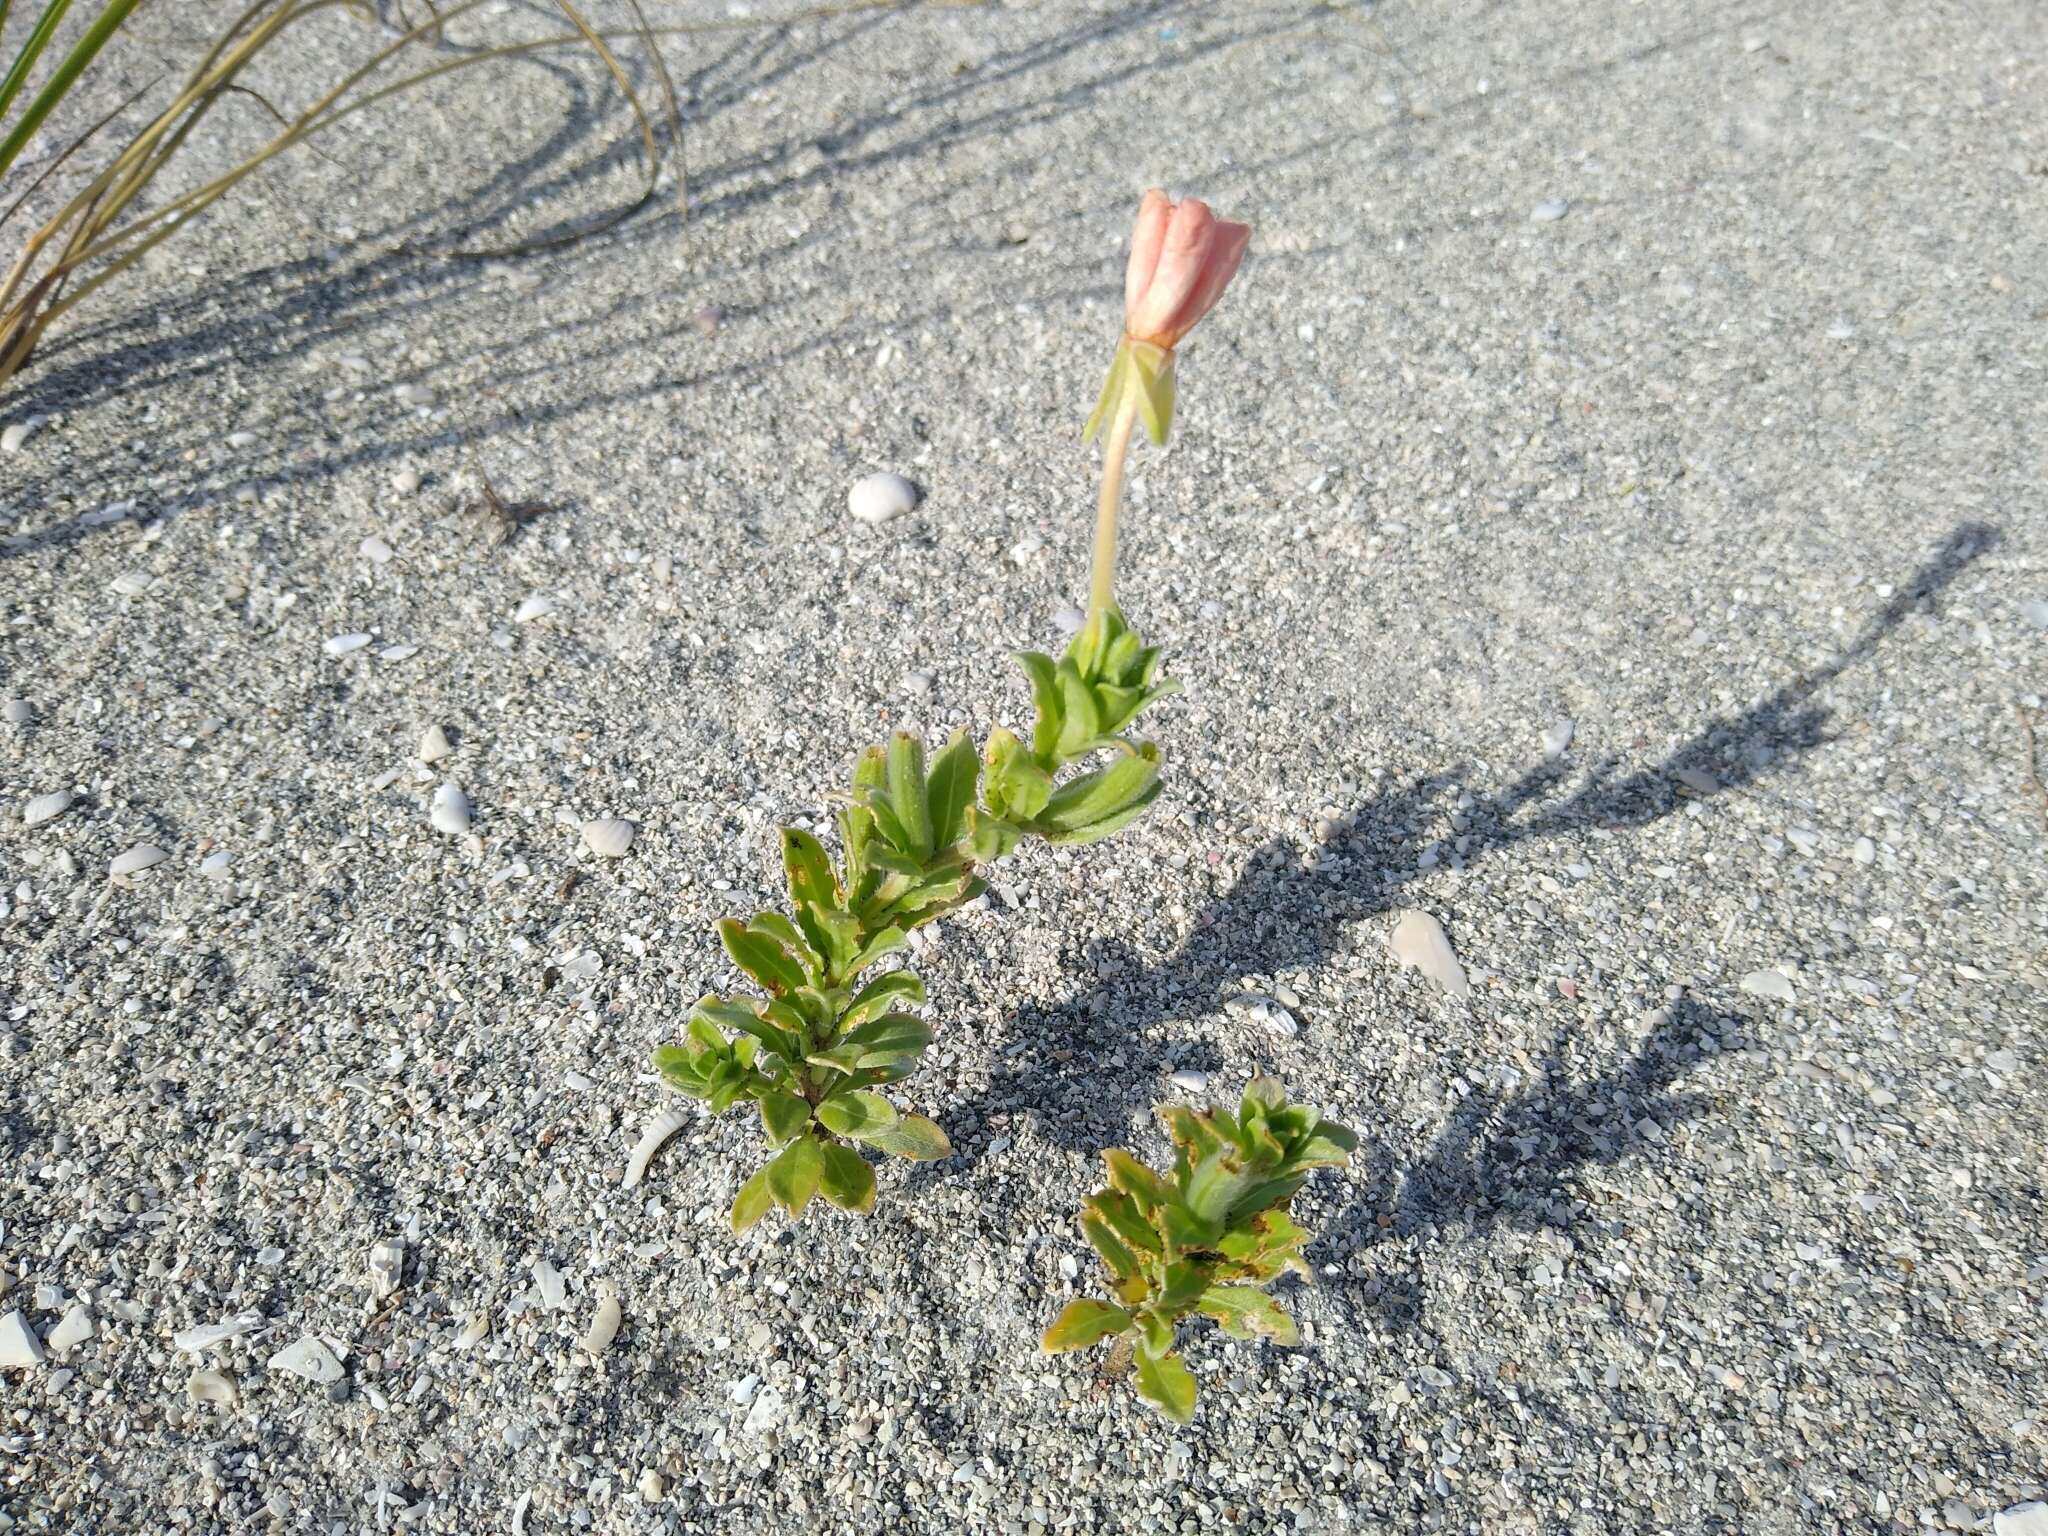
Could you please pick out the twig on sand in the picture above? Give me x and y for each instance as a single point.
(2032, 776)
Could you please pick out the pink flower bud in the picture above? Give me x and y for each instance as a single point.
(1182, 258)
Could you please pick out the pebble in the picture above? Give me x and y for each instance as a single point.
(917, 684)
(374, 548)
(414, 394)
(1556, 739)
(1068, 620)
(450, 812)
(2035, 611)
(398, 653)
(1804, 839)
(19, 1346)
(1419, 941)
(308, 1359)
(1070, 1267)
(604, 1327)
(2028, 1519)
(538, 606)
(406, 481)
(707, 318)
(241, 439)
(878, 498)
(1865, 851)
(474, 1331)
(652, 1486)
(142, 856)
(1550, 210)
(1191, 1082)
(75, 1328)
(341, 645)
(1773, 984)
(17, 711)
(130, 584)
(434, 745)
(46, 807)
(1698, 780)
(609, 837)
(16, 434)
(215, 865)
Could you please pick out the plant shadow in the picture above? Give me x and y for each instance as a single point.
(1506, 1150)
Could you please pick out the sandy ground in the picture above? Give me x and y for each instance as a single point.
(1672, 371)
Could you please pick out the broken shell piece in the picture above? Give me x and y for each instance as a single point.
(657, 1135)
(216, 1387)
(310, 1359)
(73, 1331)
(553, 1290)
(604, 1327)
(387, 1265)
(474, 1330)
(19, 1346)
(1418, 940)
(206, 1335)
(450, 810)
(434, 745)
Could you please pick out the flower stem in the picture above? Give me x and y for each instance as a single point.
(1118, 443)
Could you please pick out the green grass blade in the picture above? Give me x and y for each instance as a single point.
(73, 64)
(38, 39)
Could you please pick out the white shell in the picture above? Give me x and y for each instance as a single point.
(341, 645)
(1418, 940)
(553, 1291)
(308, 1358)
(73, 1331)
(609, 836)
(211, 1387)
(538, 606)
(434, 745)
(206, 1335)
(604, 1327)
(657, 1135)
(142, 856)
(877, 498)
(46, 808)
(450, 811)
(387, 1264)
(19, 1346)
(474, 1330)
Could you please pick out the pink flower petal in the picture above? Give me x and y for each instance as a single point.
(1154, 214)
(1181, 259)
(1226, 250)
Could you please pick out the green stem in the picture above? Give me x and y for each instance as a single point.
(1102, 589)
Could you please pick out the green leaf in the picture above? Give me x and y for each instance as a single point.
(907, 791)
(892, 1037)
(877, 995)
(857, 1113)
(753, 1201)
(1246, 1312)
(760, 957)
(1164, 1382)
(1118, 1259)
(808, 870)
(955, 776)
(1087, 648)
(990, 837)
(1124, 1217)
(1080, 720)
(913, 1137)
(793, 1176)
(1115, 822)
(783, 1115)
(887, 942)
(678, 1068)
(746, 1020)
(1181, 1282)
(1045, 694)
(847, 1180)
(1083, 801)
(1082, 1323)
(1126, 1173)
(773, 925)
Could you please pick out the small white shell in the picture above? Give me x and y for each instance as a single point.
(657, 1135)
(211, 1387)
(387, 1264)
(605, 1326)
(474, 1330)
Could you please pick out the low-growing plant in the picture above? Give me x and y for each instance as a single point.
(1205, 1238)
(813, 1052)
